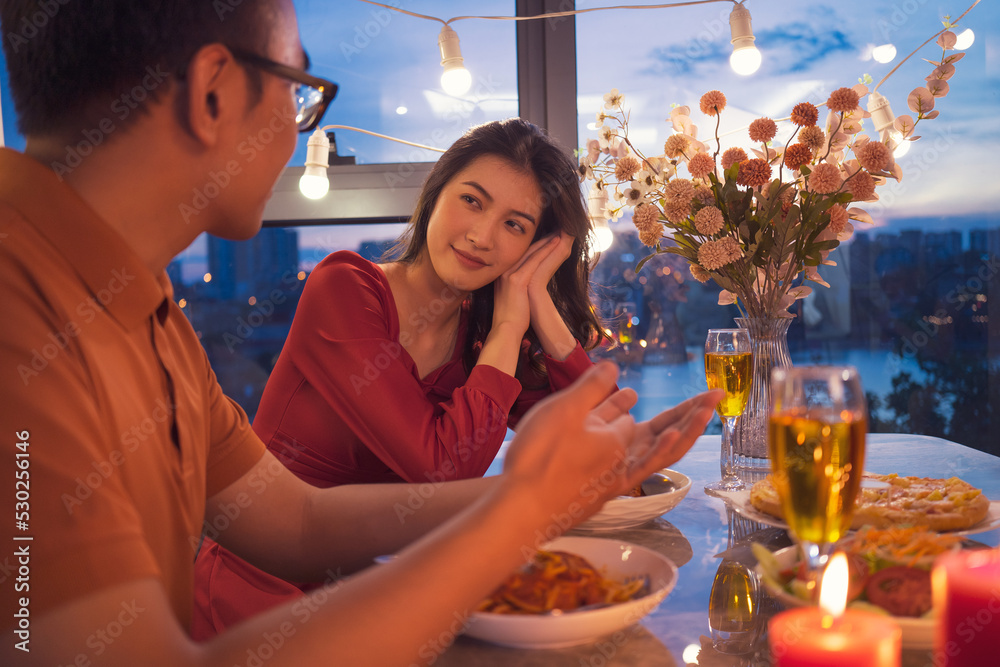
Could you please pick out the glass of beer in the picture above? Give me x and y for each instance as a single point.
(729, 366)
(816, 440)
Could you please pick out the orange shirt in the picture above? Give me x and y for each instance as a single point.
(113, 428)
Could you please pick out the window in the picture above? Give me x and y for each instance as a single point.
(909, 299)
(388, 67)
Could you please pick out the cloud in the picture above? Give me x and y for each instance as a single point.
(793, 47)
(797, 47)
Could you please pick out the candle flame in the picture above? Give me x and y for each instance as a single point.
(833, 587)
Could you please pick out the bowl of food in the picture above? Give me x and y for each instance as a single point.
(656, 495)
(890, 574)
(575, 590)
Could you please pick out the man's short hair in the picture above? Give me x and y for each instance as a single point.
(75, 64)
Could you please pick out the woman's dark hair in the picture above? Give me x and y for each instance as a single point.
(526, 147)
(77, 65)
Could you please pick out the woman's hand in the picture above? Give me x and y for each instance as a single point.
(555, 255)
(554, 335)
(512, 290)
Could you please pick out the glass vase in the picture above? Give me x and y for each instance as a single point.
(769, 343)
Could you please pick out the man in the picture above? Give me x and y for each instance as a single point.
(117, 438)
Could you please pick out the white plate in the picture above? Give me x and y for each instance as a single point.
(918, 633)
(740, 501)
(626, 511)
(615, 560)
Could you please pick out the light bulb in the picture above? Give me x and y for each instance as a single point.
(601, 237)
(964, 39)
(313, 185)
(883, 119)
(900, 146)
(314, 182)
(455, 80)
(884, 53)
(745, 61)
(746, 57)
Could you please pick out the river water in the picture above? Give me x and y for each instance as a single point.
(660, 386)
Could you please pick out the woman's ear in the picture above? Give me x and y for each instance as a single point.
(215, 90)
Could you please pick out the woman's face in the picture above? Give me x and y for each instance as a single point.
(483, 222)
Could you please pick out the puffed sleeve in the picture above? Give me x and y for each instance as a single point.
(561, 374)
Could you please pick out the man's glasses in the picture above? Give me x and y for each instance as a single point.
(312, 94)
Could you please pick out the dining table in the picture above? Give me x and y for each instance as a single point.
(705, 538)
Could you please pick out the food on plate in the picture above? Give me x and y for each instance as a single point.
(559, 580)
(937, 504)
(889, 569)
(901, 591)
(652, 485)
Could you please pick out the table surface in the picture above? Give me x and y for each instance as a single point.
(696, 533)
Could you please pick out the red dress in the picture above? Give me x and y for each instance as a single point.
(345, 405)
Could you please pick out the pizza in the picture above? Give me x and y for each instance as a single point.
(937, 504)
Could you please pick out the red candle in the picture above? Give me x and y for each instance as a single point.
(811, 637)
(967, 599)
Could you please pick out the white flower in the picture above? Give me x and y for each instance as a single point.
(605, 135)
(644, 181)
(599, 122)
(613, 100)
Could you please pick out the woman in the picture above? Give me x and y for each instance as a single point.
(411, 370)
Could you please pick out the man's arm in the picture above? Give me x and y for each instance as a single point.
(315, 533)
(561, 448)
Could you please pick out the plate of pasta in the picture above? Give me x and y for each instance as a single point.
(575, 590)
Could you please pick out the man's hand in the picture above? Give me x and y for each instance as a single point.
(578, 448)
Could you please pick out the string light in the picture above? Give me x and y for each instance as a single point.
(883, 119)
(455, 79)
(315, 181)
(965, 39)
(878, 105)
(884, 53)
(746, 57)
(601, 237)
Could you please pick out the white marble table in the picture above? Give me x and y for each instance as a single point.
(695, 533)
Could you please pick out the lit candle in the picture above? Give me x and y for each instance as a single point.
(829, 636)
(967, 598)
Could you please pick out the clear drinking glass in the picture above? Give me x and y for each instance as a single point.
(729, 366)
(816, 441)
(626, 319)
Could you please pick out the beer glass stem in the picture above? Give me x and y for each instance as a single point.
(727, 460)
(816, 555)
(728, 456)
